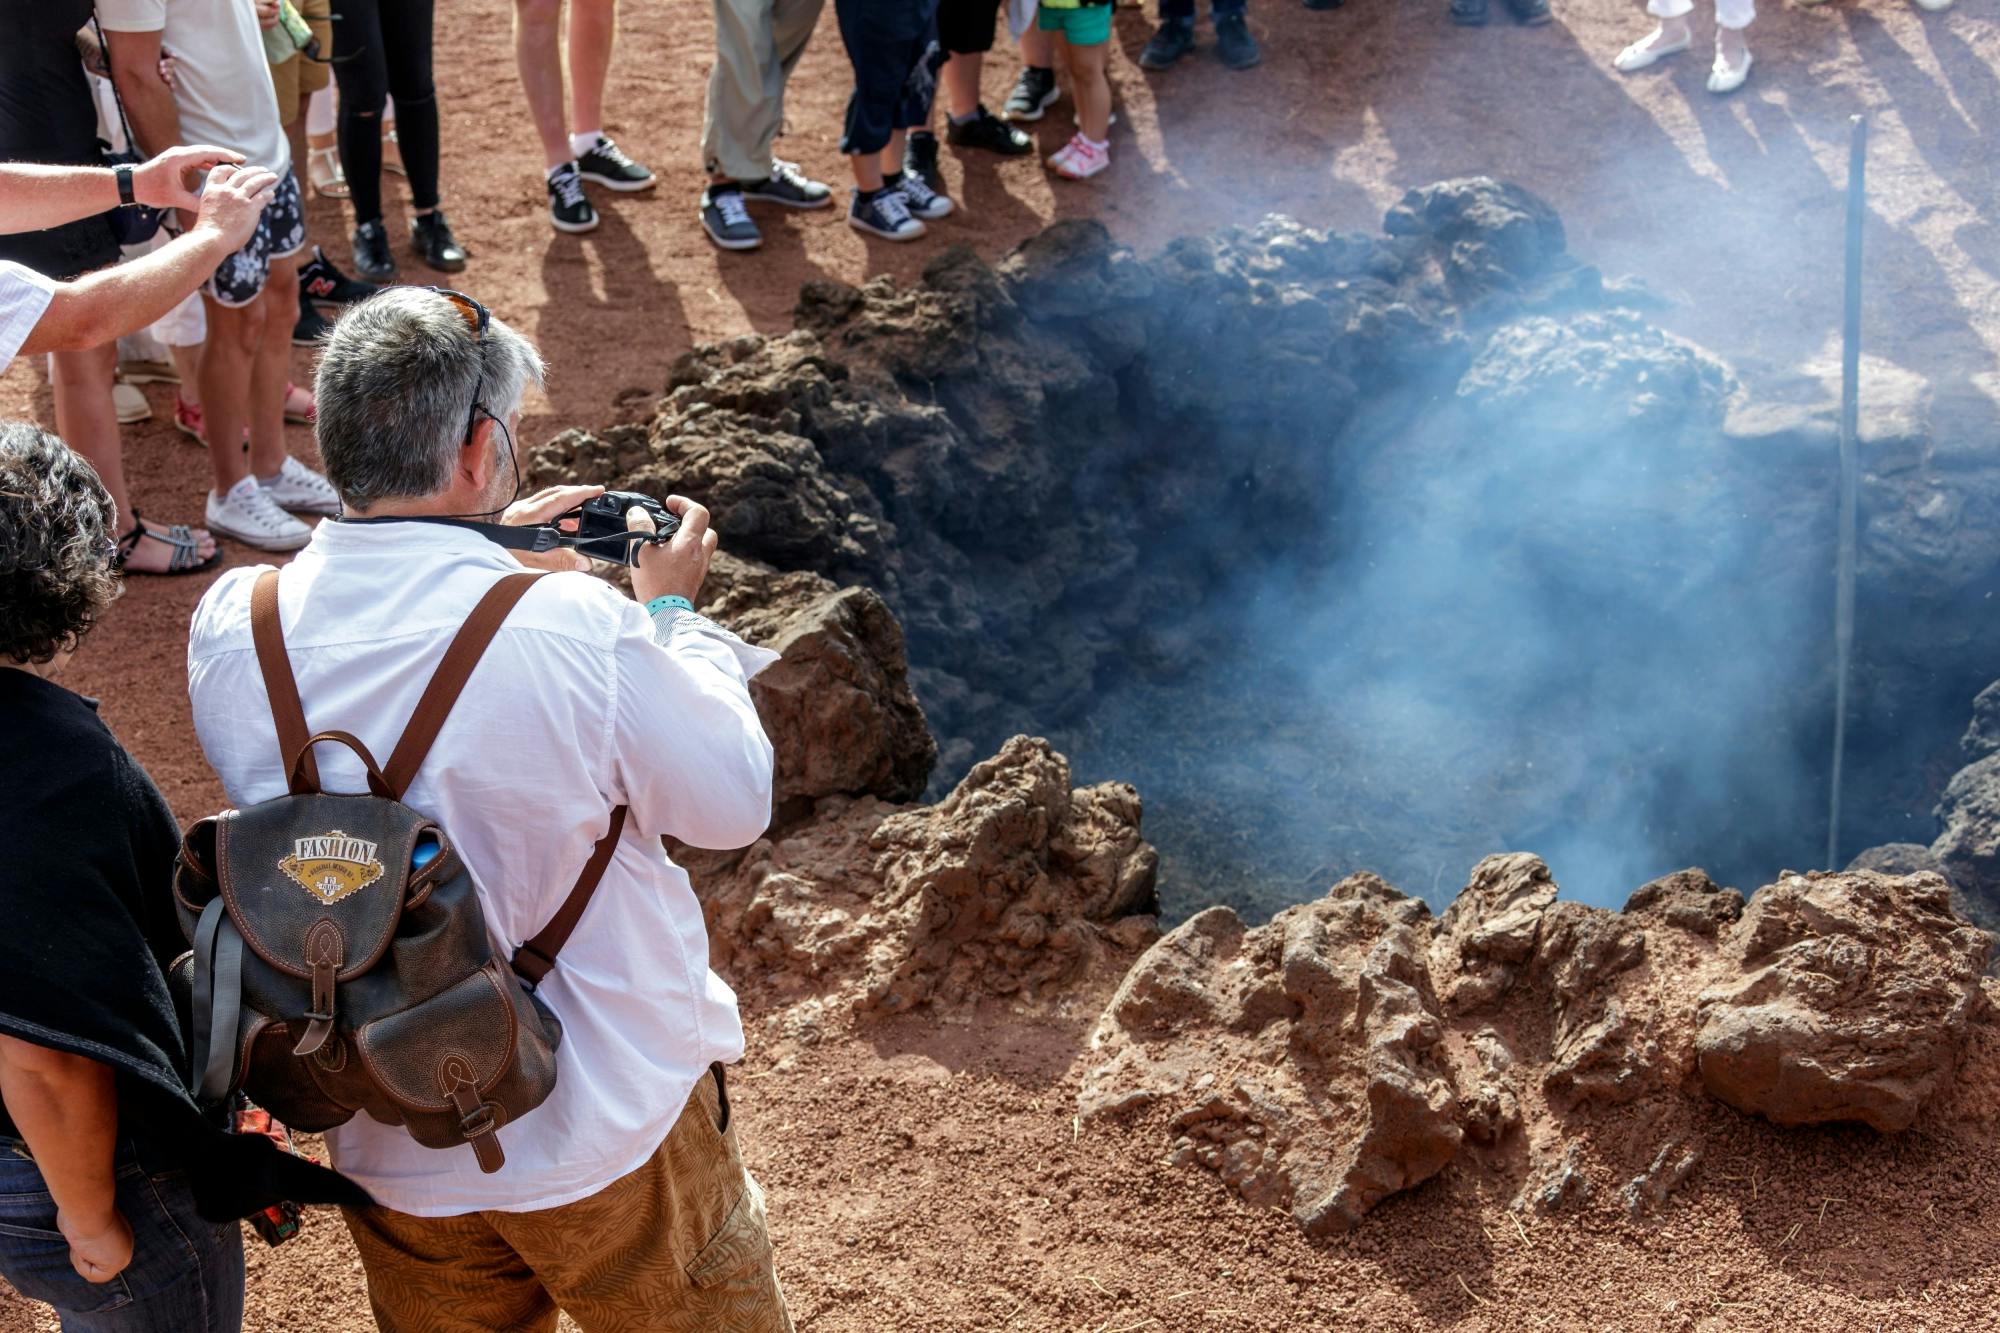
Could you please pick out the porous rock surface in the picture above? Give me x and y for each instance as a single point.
(1355, 1046)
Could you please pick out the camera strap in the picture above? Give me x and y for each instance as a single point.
(513, 537)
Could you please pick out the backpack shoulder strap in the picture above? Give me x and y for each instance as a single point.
(282, 687)
(533, 959)
(460, 657)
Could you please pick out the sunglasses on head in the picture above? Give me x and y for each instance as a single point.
(477, 317)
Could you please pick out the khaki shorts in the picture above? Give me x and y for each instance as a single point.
(677, 1246)
(298, 78)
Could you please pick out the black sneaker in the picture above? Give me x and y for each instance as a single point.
(1174, 39)
(608, 166)
(986, 130)
(312, 325)
(568, 209)
(924, 203)
(920, 159)
(322, 282)
(371, 252)
(1034, 92)
(1234, 43)
(436, 246)
(1530, 13)
(787, 185)
(1324, 4)
(885, 213)
(726, 220)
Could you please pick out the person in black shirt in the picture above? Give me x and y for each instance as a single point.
(117, 1193)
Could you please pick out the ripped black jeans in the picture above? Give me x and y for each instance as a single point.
(382, 49)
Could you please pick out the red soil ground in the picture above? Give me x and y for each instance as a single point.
(927, 1178)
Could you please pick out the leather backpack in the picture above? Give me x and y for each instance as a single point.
(340, 957)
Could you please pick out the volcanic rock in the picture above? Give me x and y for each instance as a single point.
(1845, 997)
(1013, 885)
(837, 705)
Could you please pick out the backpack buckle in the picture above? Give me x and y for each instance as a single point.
(478, 1122)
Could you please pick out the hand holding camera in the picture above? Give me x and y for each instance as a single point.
(678, 567)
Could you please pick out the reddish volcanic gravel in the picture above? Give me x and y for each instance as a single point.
(928, 1174)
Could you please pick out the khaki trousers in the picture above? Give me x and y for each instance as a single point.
(757, 42)
(677, 1246)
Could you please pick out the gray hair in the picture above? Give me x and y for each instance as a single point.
(56, 571)
(395, 392)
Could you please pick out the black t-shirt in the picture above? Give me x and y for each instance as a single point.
(85, 887)
(48, 115)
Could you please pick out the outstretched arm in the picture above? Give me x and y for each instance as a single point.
(34, 197)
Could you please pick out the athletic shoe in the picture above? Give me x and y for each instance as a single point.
(249, 515)
(371, 252)
(1079, 159)
(324, 283)
(920, 158)
(923, 201)
(1174, 39)
(311, 326)
(568, 209)
(1324, 4)
(986, 130)
(726, 220)
(137, 371)
(789, 186)
(300, 489)
(608, 166)
(1234, 43)
(1034, 92)
(1529, 13)
(887, 215)
(435, 245)
(130, 404)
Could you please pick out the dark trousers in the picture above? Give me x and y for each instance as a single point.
(965, 27)
(892, 46)
(1184, 9)
(382, 49)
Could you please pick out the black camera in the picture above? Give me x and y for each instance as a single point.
(597, 527)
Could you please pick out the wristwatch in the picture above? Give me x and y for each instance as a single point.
(124, 175)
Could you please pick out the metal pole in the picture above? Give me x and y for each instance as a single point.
(1850, 417)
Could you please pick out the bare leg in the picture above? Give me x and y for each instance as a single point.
(187, 360)
(892, 157)
(539, 59)
(868, 169)
(1091, 90)
(961, 82)
(593, 30)
(235, 335)
(88, 424)
(1038, 48)
(272, 368)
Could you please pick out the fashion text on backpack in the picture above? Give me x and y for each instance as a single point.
(341, 961)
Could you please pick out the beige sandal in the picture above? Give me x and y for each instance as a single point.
(323, 166)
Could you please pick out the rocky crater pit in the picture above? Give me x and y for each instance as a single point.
(1351, 552)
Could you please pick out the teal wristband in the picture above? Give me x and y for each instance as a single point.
(659, 604)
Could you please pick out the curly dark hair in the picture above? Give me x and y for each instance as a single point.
(56, 571)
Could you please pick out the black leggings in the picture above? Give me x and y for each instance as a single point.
(382, 48)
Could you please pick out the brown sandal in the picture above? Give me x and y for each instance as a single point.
(180, 537)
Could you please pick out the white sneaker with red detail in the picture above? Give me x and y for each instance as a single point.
(1080, 159)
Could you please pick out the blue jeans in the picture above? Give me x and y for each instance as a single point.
(186, 1275)
(1184, 9)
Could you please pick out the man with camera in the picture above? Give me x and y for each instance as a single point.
(623, 1199)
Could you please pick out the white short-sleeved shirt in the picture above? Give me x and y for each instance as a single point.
(222, 81)
(24, 295)
(580, 704)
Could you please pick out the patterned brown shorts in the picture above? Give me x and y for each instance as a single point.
(679, 1245)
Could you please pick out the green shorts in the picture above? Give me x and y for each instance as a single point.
(1085, 25)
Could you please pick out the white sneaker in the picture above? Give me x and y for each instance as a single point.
(301, 490)
(249, 515)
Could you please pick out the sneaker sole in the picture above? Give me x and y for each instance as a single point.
(1054, 96)
(128, 419)
(259, 543)
(575, 228)
(802, 205)
(623, 187)
(874, 230)
(938, 216)
(729, 244)
(148, 376)
(310, 510)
